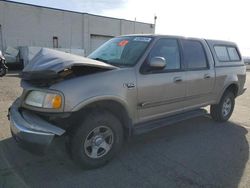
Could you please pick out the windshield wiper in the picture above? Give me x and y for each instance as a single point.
(100, 59)
(111, 63)
(120, 64)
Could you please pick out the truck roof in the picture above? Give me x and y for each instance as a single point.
(210, 41)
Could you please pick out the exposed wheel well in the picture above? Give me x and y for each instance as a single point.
(233, 88)
(114, 107)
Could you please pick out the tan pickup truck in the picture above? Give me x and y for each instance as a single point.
(129, 85)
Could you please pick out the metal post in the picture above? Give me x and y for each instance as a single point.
(1, 38)
(155, 18)
(134, 25)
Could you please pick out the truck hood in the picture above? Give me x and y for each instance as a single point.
(50, 64)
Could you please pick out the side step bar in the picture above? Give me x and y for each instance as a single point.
(152, 125)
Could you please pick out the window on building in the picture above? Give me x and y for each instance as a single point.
(194, 54)
(55, 42)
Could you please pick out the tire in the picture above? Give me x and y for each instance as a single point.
(100, 130)
(3, 72)
(222, 112)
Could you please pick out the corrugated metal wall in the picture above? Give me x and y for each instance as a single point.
(27, 25)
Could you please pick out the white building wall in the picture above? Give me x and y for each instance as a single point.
(129, 27)
(26, 25)
(34, 26)
(104, 26)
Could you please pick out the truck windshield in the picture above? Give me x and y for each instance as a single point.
(122, 51)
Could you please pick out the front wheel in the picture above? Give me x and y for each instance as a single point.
(97, 140)
(222, 112)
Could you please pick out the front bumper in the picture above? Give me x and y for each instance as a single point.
(30, 131)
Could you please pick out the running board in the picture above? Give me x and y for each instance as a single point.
(152, 125)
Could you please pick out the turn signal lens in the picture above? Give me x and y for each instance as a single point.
(57, 102)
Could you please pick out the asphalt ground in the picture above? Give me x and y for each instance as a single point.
(195, 153)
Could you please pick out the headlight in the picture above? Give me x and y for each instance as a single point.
(44, 100)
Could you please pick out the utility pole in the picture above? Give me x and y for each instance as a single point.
(155, 18)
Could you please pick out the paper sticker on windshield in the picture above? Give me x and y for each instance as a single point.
(142, 39)
(123, 43)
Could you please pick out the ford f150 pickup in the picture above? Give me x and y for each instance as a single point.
(129, 85)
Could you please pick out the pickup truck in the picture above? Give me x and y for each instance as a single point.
(130, 85)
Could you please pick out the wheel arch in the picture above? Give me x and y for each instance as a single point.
(116, 106)
(233, 87)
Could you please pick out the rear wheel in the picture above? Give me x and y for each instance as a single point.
(97, 140)
(223, 111)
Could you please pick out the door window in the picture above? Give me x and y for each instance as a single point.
(194, 54)
(169, 49)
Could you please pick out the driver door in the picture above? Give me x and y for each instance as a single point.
(161, 92)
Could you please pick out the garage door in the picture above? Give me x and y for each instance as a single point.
(98, 40)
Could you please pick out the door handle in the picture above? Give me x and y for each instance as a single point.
(177, 79)
(206, 76)
(129, 85)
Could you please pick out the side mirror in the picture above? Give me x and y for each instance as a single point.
(158, 63)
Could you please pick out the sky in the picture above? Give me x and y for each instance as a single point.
(212, 19)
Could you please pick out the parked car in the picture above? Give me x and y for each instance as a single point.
(12, 56)
(3, 67)
(247, 62)
(130, 85)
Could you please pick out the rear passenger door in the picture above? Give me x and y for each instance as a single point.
(200, 72)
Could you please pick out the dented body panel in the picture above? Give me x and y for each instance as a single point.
(51, 64)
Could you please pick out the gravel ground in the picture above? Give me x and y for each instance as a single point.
(194, 153)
